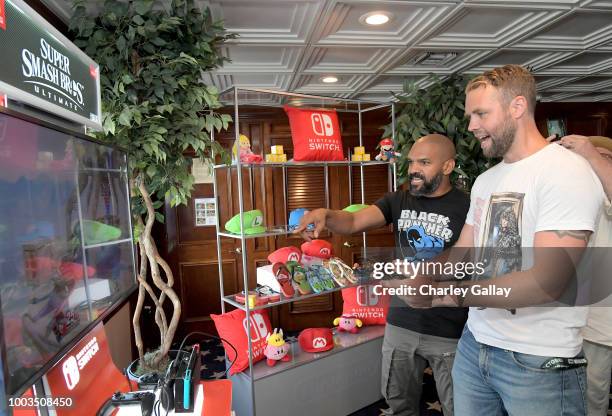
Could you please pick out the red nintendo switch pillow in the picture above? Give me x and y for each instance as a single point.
(315, 134)
(362, 302)
(232, 326)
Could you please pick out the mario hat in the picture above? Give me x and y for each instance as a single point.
(253, 221)
(386, 142)
(295, 217)
(285, 254)
(317, 248)
(316, 339)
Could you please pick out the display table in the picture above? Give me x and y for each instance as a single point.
(213, 398)
(336, 382)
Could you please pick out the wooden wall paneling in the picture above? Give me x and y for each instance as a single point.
(589, 119)
(200, 292)
(319, 311)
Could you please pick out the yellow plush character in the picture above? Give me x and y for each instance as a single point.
(242, 150)
(244, 143)
(277, 349)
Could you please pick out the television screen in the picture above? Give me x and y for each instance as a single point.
(66, 248)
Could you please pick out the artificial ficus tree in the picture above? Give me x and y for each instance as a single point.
(438, 108)
(152, 55)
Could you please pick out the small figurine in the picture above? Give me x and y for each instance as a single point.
(242, 149)
(277, 349)
(387, 151)
(348, 323)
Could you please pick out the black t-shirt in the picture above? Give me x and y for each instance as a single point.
(423, 227)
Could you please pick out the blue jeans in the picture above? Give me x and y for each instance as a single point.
(490, 381)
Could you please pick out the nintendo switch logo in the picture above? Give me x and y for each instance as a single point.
(70, 369)
(319, 342)
(2, 15)
(366, 296)
(322, 124)
(259, 330)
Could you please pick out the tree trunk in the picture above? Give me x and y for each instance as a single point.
(142, 274)
(155, 261)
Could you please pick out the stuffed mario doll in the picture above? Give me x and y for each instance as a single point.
(387, 151)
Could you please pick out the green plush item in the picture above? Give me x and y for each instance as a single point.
(96, 232)
(253, 221)
(355, 207)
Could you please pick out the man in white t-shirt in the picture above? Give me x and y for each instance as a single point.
(598, 332)
(531, 217)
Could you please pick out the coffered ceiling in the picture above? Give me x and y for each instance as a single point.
(291, 45)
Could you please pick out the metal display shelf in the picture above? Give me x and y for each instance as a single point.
(256, 388)
(270, 232)
(292, 163)
(342, 341)
(232, 300)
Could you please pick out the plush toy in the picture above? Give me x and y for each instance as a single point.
(242, 148)
(277, 349)
(348, 323)
(387, 150)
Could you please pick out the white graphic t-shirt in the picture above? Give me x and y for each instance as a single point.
(553, 189)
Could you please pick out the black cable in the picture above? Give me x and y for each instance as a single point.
(214, 337)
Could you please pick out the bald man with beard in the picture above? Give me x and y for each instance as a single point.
(426, 218)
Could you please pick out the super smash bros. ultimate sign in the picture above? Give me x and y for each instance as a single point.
(42, 68)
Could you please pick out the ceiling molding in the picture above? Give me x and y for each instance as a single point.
(289, 45)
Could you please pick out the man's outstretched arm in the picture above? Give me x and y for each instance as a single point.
(341, 222)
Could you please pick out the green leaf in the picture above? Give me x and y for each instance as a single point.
(121, 43)
(142, 7)
(125, 117)
(158, 41)
(109, 126)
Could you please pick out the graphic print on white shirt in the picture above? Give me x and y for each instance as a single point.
(502, 235)
(502, 231)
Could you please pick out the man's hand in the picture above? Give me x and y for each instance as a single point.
(580, 145)
(318, 217)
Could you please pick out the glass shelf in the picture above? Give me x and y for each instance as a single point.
(232, 300)
(270, 232)
(342, 341)
(107, 243)
(305, 164)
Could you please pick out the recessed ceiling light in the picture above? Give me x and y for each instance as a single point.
(329, 79)
(375, 18)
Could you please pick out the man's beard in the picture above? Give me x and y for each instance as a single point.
(427, 187)
(501, 140)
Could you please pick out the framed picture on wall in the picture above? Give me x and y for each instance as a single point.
(205, 212)
(556, 126)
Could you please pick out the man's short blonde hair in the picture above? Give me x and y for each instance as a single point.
(511, 81)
